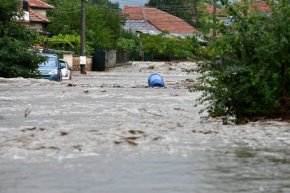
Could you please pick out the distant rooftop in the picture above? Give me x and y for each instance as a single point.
(39, 4)
(159, 19)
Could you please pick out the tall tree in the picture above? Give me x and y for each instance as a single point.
(15, 58)
(184, 9)
(103, 21)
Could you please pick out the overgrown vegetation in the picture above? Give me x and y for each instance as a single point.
(103, 24)
(184, 9)
(169, 47)
(129, 42)
(246, 73)
(17, 57)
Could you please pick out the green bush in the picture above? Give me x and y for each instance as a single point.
(247, 74)
(17, 58)
(16, 61)
(172, 48)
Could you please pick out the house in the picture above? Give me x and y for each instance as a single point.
(259, 7)
(35, 17)
(151, 20)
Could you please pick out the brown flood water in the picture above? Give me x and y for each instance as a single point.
(108, 132)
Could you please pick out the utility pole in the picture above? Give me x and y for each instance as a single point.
(214, 19)
(83, 59)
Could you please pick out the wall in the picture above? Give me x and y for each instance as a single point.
(122, 57)
(69, 58)
(40, 11)
(76, 63)
(36, 26)
(110, 58)
(109, 63)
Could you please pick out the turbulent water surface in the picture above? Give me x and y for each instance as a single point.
(109, 132)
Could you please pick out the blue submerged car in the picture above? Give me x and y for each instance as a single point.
(50, 69)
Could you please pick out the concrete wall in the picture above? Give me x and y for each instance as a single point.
(110, 58)
(76, 63)
(69, 58)
(122, 58)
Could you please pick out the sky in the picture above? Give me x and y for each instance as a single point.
(130, 2)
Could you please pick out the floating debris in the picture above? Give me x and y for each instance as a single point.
(136, 132)
(63, 133)
(27, 112)
(71, 85)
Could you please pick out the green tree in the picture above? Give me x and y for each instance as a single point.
(169, 47)
(15, 58)
(129, 42)
(184, 9)
(103, 22)
(247, 74)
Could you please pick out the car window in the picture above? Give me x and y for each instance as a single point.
(49, 63)
(62, 64)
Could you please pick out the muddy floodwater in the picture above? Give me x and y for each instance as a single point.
(108, 132)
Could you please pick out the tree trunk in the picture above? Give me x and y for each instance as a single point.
(285, 100)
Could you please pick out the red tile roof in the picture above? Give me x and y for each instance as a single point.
(36, 17)
(209, 9)
(133, 13)
(160, 19)
(39, 4)
(260, 6)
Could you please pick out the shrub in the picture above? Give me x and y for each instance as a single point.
(247, 72)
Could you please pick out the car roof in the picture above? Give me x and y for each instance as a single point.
(49, 55)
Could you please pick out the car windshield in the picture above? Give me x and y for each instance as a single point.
(50, 63)
(62, 64)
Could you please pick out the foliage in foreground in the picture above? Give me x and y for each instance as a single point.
(15, 58)
(247, 72)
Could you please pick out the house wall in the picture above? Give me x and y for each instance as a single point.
(36, 26)
(40, 11)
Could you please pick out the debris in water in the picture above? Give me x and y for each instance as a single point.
(32, 129)
(28, 129)
(27, 112)
(156, 138)
(70, 85)
(132, 138)
(151, 67)
(136, 132)
(77, 147)
(133, 143)
(205, 132)
(63, 133)
(49, 147)
(117, 142)
(155, 80)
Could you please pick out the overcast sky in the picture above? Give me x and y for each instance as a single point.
(130, 2)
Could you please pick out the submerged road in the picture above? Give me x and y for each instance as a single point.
(109, 132)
